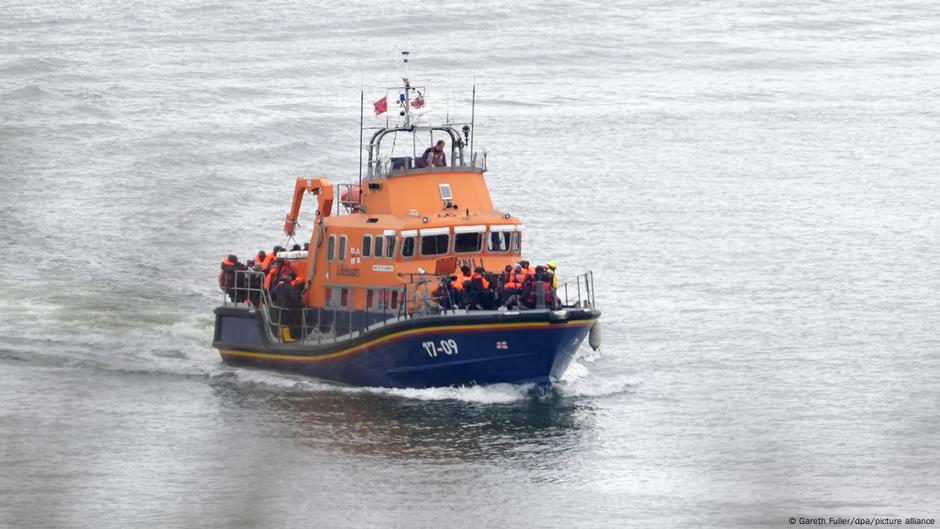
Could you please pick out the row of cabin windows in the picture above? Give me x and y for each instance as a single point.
(380, 246)
(378, 299)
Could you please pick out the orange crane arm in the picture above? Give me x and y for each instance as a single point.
(318, 186)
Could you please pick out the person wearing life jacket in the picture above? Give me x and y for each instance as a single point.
(458, 285)
(539, 282)
(433, 156)
(477, 281)
(551, 268)
(269, 259)
(227, 277)
(508, 285)
(260, 257)
(480, 294)
(273, 273)
(460, 282)
(285, 268)
(526, 267)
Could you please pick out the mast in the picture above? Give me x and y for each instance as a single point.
(407, 94)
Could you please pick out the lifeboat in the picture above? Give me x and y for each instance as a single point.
(380, 296)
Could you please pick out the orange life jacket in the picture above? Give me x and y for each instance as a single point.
(272, 273)
(483, 281)
(227, 275)
(267, 261)
(515, 282)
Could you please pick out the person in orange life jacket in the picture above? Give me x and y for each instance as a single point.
(227, 277)
(269, 259)
(260, 256)
(507, 285)
(274, 272)
(433, 156)
(463, 278)
(512, 280)
(481, 296)
(526, 267)
(285, 268)
(477, 281)
(514, 287)
(539, 282)
(458, 284)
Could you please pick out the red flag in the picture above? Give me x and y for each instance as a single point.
(418, 102)
(381, 106)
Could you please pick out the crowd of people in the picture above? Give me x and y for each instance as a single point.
(285, 284)
(519, 286)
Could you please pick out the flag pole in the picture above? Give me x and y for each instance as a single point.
(362, 101)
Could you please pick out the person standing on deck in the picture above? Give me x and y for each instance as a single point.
(433, 156)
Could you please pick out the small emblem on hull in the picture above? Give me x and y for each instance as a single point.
(502, 345)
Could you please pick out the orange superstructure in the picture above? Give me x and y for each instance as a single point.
(405, 222)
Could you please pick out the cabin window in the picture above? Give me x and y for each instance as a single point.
(389, 246)
(367, 246)
(408, 247)
(394, 302)
(468, 242)
(342, 248)
(370, 299)
(331, 248)
(498, 241)
(381, 299)
(378, 246)
(336, 297)
(343, 296)
(434, 244)
(516, 242)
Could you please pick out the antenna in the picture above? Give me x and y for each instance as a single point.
(473, 108)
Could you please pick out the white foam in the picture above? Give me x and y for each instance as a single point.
(491, 394)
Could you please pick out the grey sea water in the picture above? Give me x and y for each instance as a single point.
(754, 184)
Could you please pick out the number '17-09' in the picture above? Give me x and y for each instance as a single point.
(448, 347)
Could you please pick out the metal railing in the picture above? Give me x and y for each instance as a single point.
(388, 165)
(422, 295)
(578, 291)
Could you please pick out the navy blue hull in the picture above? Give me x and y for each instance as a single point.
(528, 347)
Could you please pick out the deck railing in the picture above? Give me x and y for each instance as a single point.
(418, 297)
